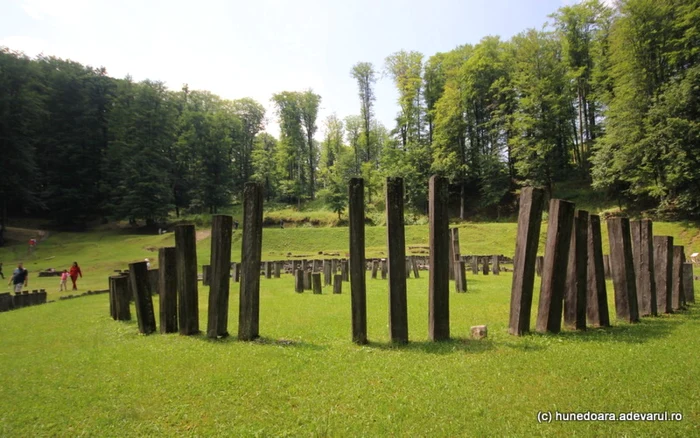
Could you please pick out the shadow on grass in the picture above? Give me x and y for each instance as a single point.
(649, 328)
(287, 343)
(443, 347)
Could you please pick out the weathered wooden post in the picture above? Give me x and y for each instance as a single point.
(440, 263)
(153, 276)
(597, 299)
(358, 290)
(327, 274)
(678, 293)
(268, 269)
(385, 268)
(485, 265)
(186, 267)
(121, 297)
(577, 276)
(221, 232)
(495, 265)
(528, 236)
(138, 276)
(236, 272)
(112, 300)
(251, 252)
(316, 282)
(167, 279)
(643, 256)
(206, 274)
(663, 270)
(299, 281)
(539, 262)
(460, 268)
(375, 268)
(337, 283)
(277, 267)
(688, 286)
(454, 257)
(556, 257)
(334, 266)
(408, 268)
(414, 266)
(396, 243)
(475, 264)
(622, 269)
(345, 269)
(307, 280)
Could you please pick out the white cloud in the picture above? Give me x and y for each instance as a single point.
(66, 11)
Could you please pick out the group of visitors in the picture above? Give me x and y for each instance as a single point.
(20, 277)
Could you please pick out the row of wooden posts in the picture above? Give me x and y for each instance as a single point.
(21, 299)
(177, 282)
(649, 273)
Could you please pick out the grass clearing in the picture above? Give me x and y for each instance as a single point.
(72, 371)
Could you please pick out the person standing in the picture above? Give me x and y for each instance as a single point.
(64, 280)
(74, 272)
(20, 277)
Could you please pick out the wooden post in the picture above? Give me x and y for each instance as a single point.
(688, 286)
(307, 280)
(327, 273)
(460, 268)
(167, 278)
(220, 280)
(112, 300)
(121, 297)
(345, 269)
(206, 273)
(528, 237)
(251, 251)
(375, 267)
(475, 265)
(643, 256)
(186, 266)
(277, 267)
(454, 257)
(485, 265)
(316, 282)
(495, 265)
(358, 291)
(663, 270)
(577, 276)
(385, 268)
(622, 269)
(138, 276)
(451, 255)
(556, 257)
(408, 267)
(539, 262)
(440, 263)
(334, 266)
(337, 283)
(236, 274)
(678, 295)
(414, 265)
(597, 299)
(153, 276)
(268, 269)
(396, 243)
(299, 281)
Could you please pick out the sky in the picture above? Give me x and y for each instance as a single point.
(256, 48)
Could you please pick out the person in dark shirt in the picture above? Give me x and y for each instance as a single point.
(20, 277)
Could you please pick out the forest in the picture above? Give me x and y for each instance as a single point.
(608, 96)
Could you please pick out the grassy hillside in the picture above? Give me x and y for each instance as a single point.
(100, 253)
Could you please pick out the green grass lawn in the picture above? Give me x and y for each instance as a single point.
(69, 370)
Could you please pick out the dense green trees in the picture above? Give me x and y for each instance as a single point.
(600, 94)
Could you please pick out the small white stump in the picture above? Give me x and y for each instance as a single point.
(479, 331)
